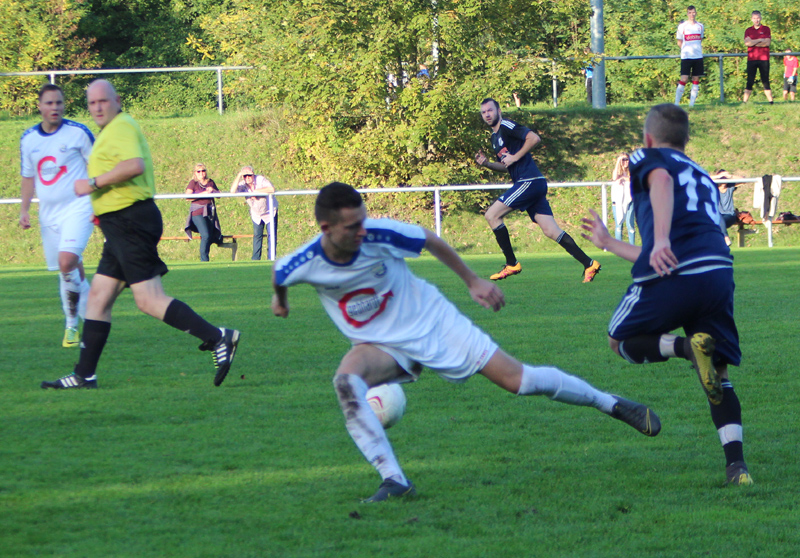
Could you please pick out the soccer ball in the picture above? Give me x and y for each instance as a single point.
(389, 403)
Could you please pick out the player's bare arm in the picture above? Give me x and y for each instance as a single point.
(123, 171)
(600, 237)
(662, 199)
(27, 189)
(483, 160)
(484, 292)
(280, 300)
(531, 139)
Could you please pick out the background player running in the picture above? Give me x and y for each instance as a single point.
(54, 154)
(512, 143)
(682, 275)
(399, 323)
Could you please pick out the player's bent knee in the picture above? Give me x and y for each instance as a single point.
(614, 345)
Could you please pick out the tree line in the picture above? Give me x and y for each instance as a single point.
(344, 73)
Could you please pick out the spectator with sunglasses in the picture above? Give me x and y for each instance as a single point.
(248, 181)
(203, 217)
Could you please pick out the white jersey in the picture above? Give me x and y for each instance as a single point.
(691, 34)
(374, 298)
(55, 161)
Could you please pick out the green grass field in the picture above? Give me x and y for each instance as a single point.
(158, 462)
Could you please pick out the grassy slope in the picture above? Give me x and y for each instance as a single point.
(578, 144)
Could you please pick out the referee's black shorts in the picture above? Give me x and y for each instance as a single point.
(130, 252)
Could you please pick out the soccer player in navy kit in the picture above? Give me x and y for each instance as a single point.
(682, 275)
(512, 143)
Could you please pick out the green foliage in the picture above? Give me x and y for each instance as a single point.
(38, 35)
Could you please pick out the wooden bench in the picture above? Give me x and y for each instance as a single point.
(228, 241)
(742, 231)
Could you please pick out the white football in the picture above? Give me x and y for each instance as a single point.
(389, 403)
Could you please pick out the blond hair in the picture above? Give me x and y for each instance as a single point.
(619, 169)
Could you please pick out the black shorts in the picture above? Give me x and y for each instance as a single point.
(692, 67)
(791, 88)
(130, 252)
(763, 70)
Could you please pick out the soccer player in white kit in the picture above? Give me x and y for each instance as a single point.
(53, 156)
(690, 36)
(398, 323)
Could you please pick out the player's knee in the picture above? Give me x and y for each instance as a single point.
(614, 345)
(67, 261)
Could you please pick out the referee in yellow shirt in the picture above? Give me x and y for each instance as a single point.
(122, 186)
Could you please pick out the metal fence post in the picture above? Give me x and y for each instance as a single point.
(721, 82)
(271, 229)
(438, 211)
(555, 86)
(219, 89)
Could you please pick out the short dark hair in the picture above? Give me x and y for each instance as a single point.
(755, 12)
(49, 87)
(669, 124)
(490, 100)
(691, 8)
(333, 197)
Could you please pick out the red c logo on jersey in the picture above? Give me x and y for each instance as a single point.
(62, 170)
(371, 303)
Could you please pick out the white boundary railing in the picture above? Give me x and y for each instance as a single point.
(437, 190)
(98, 71)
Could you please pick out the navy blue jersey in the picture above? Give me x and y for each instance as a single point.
(509, 139)
(695, 235)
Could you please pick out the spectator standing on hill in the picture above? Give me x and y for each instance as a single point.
(248, 181)
(512, 144)
(757, 39)
(122, 186)
(53, 156)
(789, 76)
(203, 218)
(588, 73)
(682, 275)
(689, 36)
(398, 323)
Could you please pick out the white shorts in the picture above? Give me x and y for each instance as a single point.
(457, 351)
(71, 234)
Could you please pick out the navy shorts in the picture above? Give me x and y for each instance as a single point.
(130, 252)
(696, 303)
(528, 195)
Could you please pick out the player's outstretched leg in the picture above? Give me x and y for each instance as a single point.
(369, 436)
(565, 388)
(524, 379)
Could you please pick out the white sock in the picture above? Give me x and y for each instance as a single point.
(730, 433)
(85, 286)
(666, 345)
(559, 386)
(695, 92)
(679, 93)
(70, 288)
(364, 427)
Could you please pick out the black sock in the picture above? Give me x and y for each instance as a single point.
(180, 316)
(568, 244)
(683, 347)
(642, 349)
(95, 335)
(504, 241)
(728, 412)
